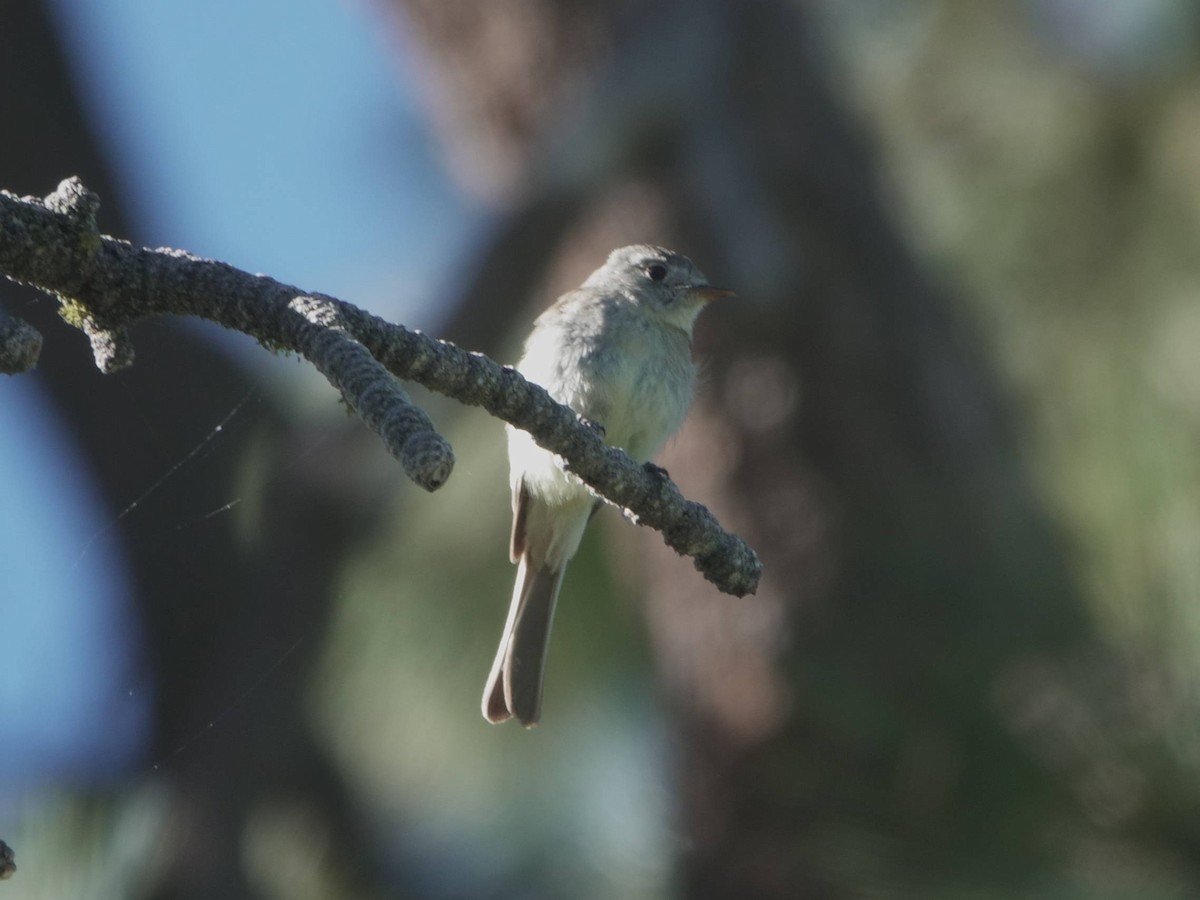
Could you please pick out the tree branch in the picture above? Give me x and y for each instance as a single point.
(8, 861)
(105, 285)
(20, 345)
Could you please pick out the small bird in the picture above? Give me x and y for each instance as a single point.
(618, 352)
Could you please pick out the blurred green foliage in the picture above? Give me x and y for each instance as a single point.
(1042, 161)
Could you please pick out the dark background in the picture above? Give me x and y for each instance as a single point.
(954, 410)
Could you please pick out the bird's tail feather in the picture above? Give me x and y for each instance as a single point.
(514, 687)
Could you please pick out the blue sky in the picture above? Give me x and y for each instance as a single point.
(279, 137)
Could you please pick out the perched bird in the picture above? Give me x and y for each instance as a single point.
(617, 351)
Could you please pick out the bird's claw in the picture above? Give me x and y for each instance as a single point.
(594, 426)
(657, 471)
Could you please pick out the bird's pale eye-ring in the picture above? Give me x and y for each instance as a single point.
(656, 271)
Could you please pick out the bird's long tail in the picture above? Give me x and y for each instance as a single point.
(514, 687)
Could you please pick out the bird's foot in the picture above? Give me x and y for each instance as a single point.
(657, 471)
(594, 426)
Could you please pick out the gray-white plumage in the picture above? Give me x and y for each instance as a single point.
(618, 352)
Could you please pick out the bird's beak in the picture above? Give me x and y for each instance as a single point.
(706, 294)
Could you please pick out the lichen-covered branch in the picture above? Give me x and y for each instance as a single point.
(105, 285)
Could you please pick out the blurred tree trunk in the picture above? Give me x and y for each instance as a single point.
(916, 697)
(219, 617)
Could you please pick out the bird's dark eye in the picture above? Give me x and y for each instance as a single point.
(656, 271)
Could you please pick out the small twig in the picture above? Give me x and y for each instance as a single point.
(407, 432)
(106, 285)
(20, 345)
